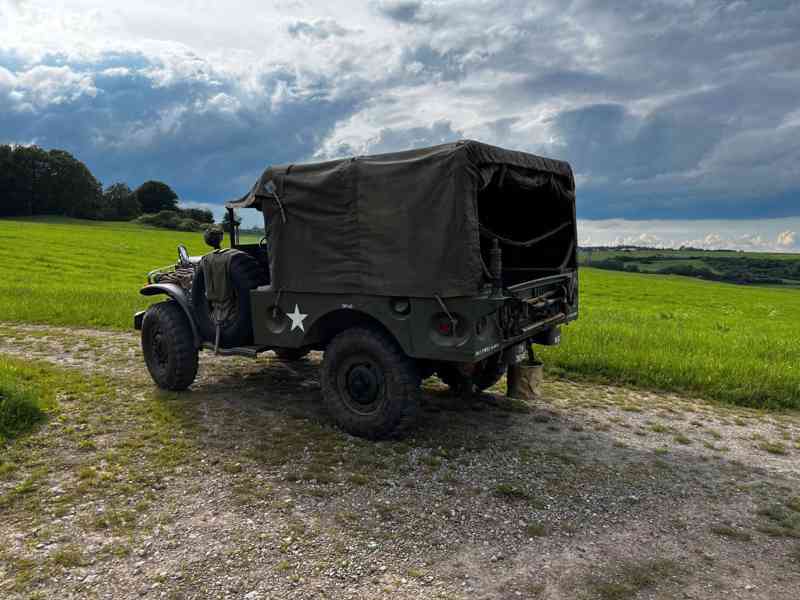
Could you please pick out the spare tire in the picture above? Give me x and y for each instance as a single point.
(246, 274)
(488, 374)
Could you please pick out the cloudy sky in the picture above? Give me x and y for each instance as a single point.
(681, 118)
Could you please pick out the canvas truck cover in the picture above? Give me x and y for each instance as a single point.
(399, 224)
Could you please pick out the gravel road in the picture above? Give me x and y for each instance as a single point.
(241, 488)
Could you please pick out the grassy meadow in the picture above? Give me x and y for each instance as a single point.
(70, 272)
(738, 344)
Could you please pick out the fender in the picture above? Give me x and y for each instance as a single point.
(330, 323)
(177, 294)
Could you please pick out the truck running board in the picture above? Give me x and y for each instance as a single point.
(247, 351)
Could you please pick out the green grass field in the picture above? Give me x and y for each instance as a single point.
(70, 272)
(738, 344)
(23, 398)
(734, 343)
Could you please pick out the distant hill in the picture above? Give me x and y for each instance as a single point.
(731, 266)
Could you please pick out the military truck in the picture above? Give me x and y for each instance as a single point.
(449, 260)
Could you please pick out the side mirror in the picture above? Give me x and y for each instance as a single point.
(183, 255)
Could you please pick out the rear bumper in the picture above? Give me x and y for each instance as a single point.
(535, 331)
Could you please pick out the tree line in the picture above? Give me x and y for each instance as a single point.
(713, 267)
(35, 181)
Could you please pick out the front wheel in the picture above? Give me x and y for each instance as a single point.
(370, 387)
(168, 346)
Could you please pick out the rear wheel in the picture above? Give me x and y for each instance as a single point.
(168, 346)
(452, 377)
(370, 387)
(490, 373)
(484, 377)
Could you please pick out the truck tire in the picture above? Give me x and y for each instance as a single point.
(291, 354)
(168, 346)
(246, 274)
(492, 371)
(489, 374)
(452, 378)
(370, 387)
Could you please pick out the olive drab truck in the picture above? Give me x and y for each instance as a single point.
(449, 260)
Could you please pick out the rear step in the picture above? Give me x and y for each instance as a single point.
(543, 323)
(542, 282)
(531, 328)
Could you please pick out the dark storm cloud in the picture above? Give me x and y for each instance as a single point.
(678, 109)
(193, 133)
(405, 11)
(664, 108)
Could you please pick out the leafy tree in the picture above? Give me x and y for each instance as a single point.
(120, 203)
(35, 181)
(226, 221)
(70, 187)
(32, 168)
(201, 215)
(170, 219)
(155, 196)
(11, 183)
(166, 219)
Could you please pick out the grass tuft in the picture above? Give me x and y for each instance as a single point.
(537, 530)
(774, 448)
(731, 533)
(631, 578)
(510, 491)
(69, 557)
(22, 402)
(783, 521)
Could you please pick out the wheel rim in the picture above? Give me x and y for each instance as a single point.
(361, 384)
(159, 349)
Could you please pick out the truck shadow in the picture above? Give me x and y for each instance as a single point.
(273, 410)
(490, 478)
(292, 389)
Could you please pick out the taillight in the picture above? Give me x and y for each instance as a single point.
(445, 327)
(449, 329)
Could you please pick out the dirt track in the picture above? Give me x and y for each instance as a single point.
(242, 489)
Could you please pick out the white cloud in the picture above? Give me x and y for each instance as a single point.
(223, 102)
(755, 235)
(606, 89)
(7, 79)
(786, 239)
(45, 85)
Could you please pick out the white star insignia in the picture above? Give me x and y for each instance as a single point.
(297, 319)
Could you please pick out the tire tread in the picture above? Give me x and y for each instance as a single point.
(402, 370)
(176, 325)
